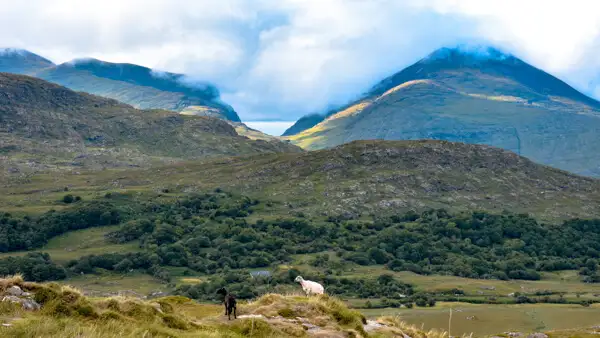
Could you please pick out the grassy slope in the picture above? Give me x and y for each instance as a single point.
(357, 178)
(483, 104)
(44, 126)
(66, 313)
(484, 320)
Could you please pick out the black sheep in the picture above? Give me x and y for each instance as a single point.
(230, 303)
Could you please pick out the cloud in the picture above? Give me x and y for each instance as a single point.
(283, 59)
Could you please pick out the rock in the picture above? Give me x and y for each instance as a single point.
(514, 334)
(26, 303)
(157, 294)
(537, 335)
(157, 307)
(251, 316)
(14, 291)
(6, 324)
(372, 326)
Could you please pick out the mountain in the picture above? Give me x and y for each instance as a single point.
(43, 125)
(21, 61)
(480, 96)
(138, 86)
(305, 122)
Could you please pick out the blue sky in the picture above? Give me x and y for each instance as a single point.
(281, 59)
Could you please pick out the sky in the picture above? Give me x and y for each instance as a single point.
(277, 60)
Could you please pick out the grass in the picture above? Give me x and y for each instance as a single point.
(565, 281)
(493, 319)
(359, 179)
(66, 312)
(105, 284)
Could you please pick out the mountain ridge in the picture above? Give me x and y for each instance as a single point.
(136, 85)
(45, 126)
(502, 102)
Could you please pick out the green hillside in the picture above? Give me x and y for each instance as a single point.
(359, 178)
(483, 98)
(44, 126)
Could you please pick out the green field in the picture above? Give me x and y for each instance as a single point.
(495, 319)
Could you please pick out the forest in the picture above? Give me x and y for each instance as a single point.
(211, 234)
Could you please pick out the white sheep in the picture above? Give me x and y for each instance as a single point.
(310, 287)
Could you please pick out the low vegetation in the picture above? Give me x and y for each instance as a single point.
(220, 235)
(65, 312)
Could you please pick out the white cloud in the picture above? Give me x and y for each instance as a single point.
(282, 59)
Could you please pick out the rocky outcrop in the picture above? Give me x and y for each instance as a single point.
(16, 295)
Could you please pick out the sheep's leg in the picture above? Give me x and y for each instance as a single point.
(235, 312)
(229, 314)
(226, 309)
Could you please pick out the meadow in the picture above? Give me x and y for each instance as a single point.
(483, 319)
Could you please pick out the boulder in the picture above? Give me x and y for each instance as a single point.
(14, 291)
(26, 303)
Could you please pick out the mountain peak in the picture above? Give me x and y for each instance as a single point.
(469, 54)
(15, 60)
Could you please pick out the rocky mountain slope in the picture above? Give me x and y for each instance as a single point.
(138, 86)
(358, 178)
(43, 124)
(474, 96)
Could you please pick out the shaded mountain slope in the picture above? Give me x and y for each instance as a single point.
(132, 84)
(45, 124)
(482, 98)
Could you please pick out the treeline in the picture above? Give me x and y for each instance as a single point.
(475, 245)
(37, 267)
(26, 233)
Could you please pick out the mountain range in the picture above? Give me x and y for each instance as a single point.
(480, 96)
(138, 86)
(44, 126)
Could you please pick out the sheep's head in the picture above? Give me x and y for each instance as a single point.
(222, 291)
(298, 279)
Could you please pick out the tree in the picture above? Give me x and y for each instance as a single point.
(124, 265)
(378, 256)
